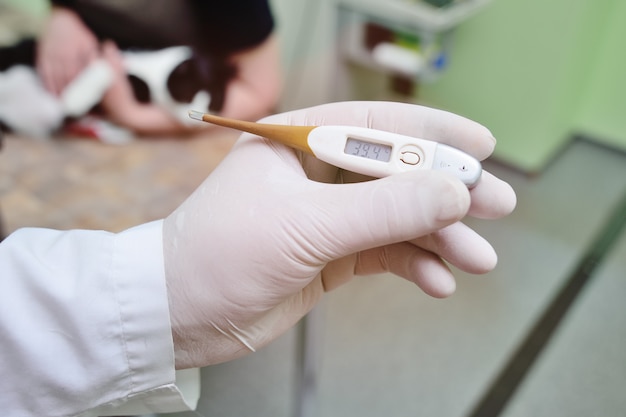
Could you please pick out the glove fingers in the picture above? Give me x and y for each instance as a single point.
(475, 256)
(350, 218)
(492, 198)
(462, 247)
(408, 261)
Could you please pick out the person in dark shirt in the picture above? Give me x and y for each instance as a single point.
(234, 55)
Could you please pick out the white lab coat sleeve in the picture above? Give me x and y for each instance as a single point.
(85, 327)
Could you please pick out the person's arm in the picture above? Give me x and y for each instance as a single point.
(254, 54)
(121, 106)
(253, 93)
(66, 46)
(85, 324)
(255, 90)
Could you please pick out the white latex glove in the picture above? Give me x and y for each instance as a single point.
(257, 244)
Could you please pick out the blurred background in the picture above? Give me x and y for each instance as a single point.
(542, 335)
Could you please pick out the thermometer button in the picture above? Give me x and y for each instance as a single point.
(410, 157)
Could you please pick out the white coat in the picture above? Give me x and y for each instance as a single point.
(85, 327)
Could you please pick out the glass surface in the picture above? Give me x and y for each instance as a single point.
(369, 150)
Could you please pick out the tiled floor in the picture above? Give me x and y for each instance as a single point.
(386, 349)
(583, 372)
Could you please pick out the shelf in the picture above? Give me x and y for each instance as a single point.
(430, 26)
(417, 14)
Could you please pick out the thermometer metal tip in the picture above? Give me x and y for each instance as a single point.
(194, 114)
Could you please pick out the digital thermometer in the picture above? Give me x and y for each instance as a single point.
(371, 152)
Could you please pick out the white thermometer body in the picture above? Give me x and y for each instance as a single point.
(379, 153)
(376, 153)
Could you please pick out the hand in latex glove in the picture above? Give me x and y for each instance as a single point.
(257, 244)
(65, 48)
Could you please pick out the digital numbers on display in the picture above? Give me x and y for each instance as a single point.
(369, 150)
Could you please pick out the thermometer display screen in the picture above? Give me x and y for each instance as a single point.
(369, 150)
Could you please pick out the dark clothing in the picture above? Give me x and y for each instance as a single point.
(212, 27)
(23, 53)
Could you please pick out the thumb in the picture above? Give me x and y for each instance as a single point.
(393, 209)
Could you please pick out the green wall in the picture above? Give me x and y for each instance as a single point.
(36, 7)
(537, 71)
(602, 113)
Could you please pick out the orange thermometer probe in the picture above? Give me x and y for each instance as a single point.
(376, 153)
